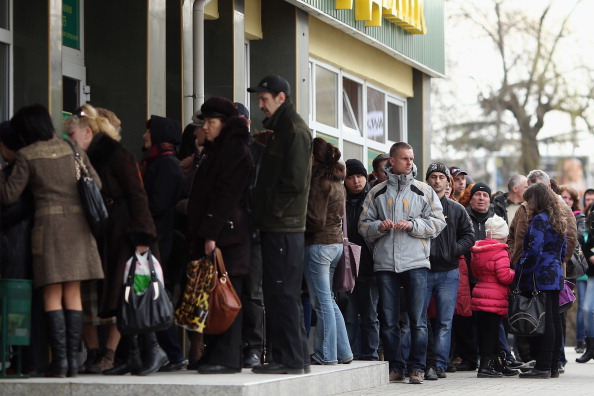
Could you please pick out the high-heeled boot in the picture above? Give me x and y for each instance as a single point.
(74, 326)
(153, 357)
(589, 354)
(56, 324)
(133, 363)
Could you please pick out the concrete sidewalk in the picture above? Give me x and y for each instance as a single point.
(578, 380)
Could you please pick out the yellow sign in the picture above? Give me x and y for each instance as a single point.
(408, 14)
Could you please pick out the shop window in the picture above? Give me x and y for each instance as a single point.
(394, 122)
(375, 115)
(351, 105)
(326, 97)
(352, 150)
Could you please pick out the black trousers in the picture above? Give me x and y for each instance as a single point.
(282, 263)
(488, 335)
(549, 344)
(253, 303)
(226, 349)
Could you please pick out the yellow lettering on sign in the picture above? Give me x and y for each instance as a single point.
(408, 14)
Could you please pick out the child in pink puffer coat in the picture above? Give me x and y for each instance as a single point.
(491, 266)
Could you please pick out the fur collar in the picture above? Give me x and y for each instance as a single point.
(334, 172)
(101, 150)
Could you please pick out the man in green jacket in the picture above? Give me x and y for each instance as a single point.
(279, 206)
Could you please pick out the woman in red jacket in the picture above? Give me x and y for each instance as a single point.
(490, 265)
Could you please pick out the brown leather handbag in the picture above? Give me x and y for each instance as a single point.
(223, 303)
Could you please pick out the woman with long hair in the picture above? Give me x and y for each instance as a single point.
(64, 249)
(323, 249)
(541, 265)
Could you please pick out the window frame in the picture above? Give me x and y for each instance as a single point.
(343, 133)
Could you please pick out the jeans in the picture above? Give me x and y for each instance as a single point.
(415, 284)
(331, 342)
(361, 321)
(589, 308)
(443, 286)
(580, 328)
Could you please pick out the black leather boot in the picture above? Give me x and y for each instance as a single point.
(74, 325)
(589, 354)
(56, 324)
(133, 363)
(486, 369)
(153, 357)
(500, 364)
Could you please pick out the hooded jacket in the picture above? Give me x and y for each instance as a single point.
(490, 265)
(280, 196)
(401, 197)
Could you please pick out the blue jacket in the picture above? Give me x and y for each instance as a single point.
(542, 256)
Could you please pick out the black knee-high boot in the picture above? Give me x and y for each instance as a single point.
(589, 354)
(57, 339)
(153, 357)
(74, 324)
(133, 362)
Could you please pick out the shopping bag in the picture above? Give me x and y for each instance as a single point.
(193, 309)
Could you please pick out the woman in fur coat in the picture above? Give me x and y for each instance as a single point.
(323, 249)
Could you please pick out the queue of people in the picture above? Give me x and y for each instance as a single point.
(437, 257)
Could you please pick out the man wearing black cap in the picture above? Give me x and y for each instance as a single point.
(442, 280)
(459, 177)
(361, 313)
(279, 208)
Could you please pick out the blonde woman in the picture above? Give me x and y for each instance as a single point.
(130, 228)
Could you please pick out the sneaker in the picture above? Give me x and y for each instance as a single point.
(440, 373)
(395, 376)
(561, 369)
(527, 366)
(430, 374)
(416, 377)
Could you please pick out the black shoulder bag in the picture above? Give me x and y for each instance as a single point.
(90, 195)
(526, 313)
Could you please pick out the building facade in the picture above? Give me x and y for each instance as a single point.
(360, 70)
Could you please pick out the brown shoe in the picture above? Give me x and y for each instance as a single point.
(395, 376)
(105, 363)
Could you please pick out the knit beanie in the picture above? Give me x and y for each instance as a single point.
(437, 167)
(355, 167)
(480, 186)
(496, 228)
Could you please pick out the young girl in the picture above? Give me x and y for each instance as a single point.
(491, 266)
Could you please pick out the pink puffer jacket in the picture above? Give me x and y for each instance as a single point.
(490, 265)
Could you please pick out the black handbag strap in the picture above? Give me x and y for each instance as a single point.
(517, 289)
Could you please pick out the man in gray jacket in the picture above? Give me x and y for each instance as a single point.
(400, 217)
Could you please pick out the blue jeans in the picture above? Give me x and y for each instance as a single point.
(331, 342)
(415, 285)
(580, 328)
(589, 308)
(443, 286)
(361, 321)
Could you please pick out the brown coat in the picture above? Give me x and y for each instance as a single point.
(325, 205)
(130, 222)
(520, 223)
(64, 250)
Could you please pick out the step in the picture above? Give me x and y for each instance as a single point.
(322, 381)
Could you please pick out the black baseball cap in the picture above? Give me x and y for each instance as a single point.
(455, 171)
(273, 84)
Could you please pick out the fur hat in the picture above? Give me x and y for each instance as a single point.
(217, 107)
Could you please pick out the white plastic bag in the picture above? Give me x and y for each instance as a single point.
(142, 274)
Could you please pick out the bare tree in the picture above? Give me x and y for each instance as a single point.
(535, 77)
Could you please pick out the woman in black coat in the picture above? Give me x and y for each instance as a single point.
(218, 217)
